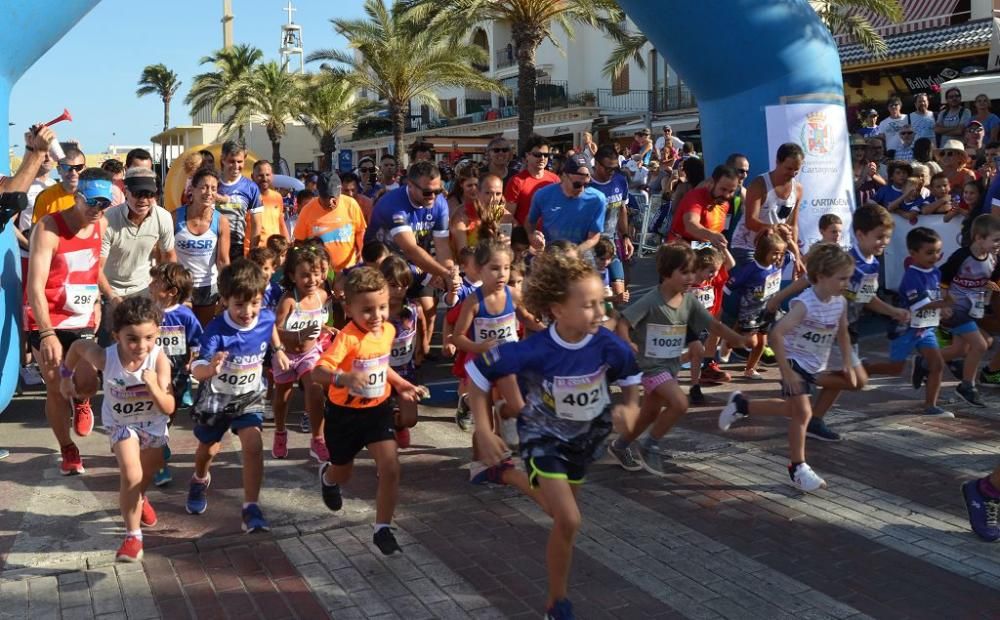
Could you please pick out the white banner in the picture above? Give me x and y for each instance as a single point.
(895, 255)
(826, 175)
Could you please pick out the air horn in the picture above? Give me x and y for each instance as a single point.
(65, 116)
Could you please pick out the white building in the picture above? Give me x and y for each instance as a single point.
(572, 96)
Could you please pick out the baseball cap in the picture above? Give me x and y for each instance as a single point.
(872, 112)
(974, 124)
(95, 188)
(329, 185)
(576, 164)
(140, 180)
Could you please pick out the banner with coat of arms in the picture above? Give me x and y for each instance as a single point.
(826, 175)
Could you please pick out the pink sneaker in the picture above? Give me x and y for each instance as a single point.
(279, 449)
(317, 450)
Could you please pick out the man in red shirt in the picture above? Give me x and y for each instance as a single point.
(701, 215)
(523, 185)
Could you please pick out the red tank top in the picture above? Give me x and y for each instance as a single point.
(71, 289)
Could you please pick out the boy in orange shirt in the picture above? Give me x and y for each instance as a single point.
(358, 412)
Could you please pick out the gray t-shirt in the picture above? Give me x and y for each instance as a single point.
(127, 247)
(660, 331)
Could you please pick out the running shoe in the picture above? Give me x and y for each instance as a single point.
(768, 358)
(696, 398)
(626, 457)
(386, 541)
(560, 610)
(653, 458)
(463, 417)
(753, 375)
(403, 438)
(983, 511)
(267, 411)
(969, 393)
(130, 551)
(187, 398)
(304, 424)
(937, 412)
(817, 429)
(730, 413)
(30, 375)
(317, 450)
(713, 373)
(197, 499)
(163, 477)
(480, 473)
(279, 446)
(804, 478)
(148, 516)
(919, 373)
(331, 492)
(83, 418)
(72, 464)
(253, 520)
(989, 377)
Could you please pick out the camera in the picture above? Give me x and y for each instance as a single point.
(11, 203)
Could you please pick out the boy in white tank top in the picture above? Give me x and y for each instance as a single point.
(137, 404)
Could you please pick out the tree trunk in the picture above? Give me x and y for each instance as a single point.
(328, 145)
(163, 145)
(526, 41)
(276, 154)
(396, 113)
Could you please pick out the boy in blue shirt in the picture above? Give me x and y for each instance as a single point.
(230, 370)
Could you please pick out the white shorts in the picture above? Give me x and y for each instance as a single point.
(150, 434)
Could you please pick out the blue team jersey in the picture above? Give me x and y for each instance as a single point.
(863, 286)
(395, 213)
(751, 285)
(242, 371)
(565, 388)
(180, 334)
(465, 289)
(272, 295)
(567, 219)
(918, 288)
(616, 192)
(886, 194)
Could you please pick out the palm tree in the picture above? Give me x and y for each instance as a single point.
(329, 105)
(838, 15)
(217, 90)
(531, 23)
(400, 61)
(158, 80)
(269, 92)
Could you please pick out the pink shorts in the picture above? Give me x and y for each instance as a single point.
(300, 364)
(652, 381)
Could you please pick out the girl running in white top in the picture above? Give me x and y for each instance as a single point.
(137, 404)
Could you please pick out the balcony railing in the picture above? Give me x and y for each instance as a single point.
(660, 100)
(505, 58)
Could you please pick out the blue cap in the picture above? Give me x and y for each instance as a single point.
(95, 188)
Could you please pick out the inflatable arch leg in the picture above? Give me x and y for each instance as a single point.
(30, 29)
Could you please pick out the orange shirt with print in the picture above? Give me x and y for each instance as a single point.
(272, 219)
(341, 229)
(356, 350)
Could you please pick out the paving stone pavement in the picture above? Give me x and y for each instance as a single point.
(721, 535)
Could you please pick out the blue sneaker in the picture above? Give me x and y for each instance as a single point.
(197, 501)
(186, 398)
(561, 610)
(983, 512)
(162, 477)
(253, 520)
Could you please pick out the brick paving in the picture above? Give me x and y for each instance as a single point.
(722, 535)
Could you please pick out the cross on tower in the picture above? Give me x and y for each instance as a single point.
(290, 10)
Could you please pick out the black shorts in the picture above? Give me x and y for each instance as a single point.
(66, 338)
(205, 295)
(349, 430)
(693, 337)
(808, 382)
(420, 290)
(555, 468)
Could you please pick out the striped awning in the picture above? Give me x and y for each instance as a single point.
(917, 15)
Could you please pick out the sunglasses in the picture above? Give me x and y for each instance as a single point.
(539, 155)
(144, 194)
(76, 168)
(98, 203)
(498, 150)
(430, 192)
(974, 129)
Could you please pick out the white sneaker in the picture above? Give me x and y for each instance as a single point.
(729, 414)
(806, 479)
(31, 376)
(267, 411)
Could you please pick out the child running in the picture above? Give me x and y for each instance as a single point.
(179, 337)
(657, 327)
(562, 395)
(405, 318)
(358, 412)
(136, 409)
(751, 285)
(802, 341)
(711, 270)
(230, 369)
(301, 314)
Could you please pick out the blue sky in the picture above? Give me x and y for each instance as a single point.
(98, 62)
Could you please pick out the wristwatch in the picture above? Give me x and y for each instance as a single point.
(278, 348)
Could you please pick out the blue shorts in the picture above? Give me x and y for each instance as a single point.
(967, 327)
(214, 433)
(904, 344)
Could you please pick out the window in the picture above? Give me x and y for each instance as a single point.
(620, 83)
